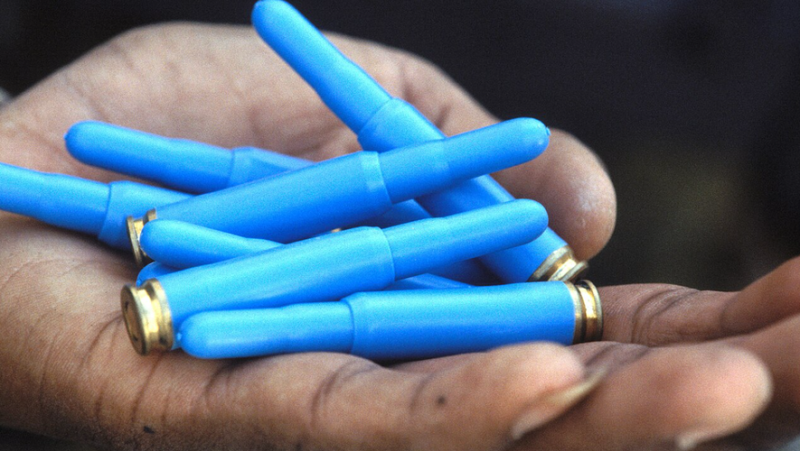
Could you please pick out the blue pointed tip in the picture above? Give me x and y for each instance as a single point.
(79, 138)
(532, 134)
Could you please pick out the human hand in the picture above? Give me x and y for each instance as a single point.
(67, 367)
(673, 357)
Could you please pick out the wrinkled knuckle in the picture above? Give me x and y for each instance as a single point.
(648, 319)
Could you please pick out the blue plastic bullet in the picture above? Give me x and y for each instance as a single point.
(182, 164)
(345, 190)
(403, 325)
(194, 166)
(383, 122)
(73, 203)
(324, 268)
(182, 245)
(421, 282)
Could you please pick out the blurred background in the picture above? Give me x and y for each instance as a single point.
(693, 105)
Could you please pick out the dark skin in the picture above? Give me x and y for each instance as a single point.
(678, 367)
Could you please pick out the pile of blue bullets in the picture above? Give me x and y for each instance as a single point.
(404, 250)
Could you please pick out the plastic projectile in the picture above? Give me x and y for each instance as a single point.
(182, 164)
(403, 325)
(383, 122)
(421, 282)
(193, 166)
(324, 268)
(73, 203)
(182, 245)
(345, 190)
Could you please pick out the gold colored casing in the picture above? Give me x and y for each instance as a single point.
(561, 266)
(588, 312)
(135, 226)
(147, 317)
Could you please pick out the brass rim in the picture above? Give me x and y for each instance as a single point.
(588, 312)
(135, 226)
(147, 317)
(560, 266)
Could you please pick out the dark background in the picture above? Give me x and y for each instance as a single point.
(693, 105)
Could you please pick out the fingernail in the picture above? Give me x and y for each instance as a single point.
(555, 403)
(692, 439)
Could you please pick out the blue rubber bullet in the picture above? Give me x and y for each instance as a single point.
(342, 191)
(193, 166)
(182, 245)
(383, 122)
(180, 252)
(182, 164)
(85, 206)
(323, 268)
(403, 325)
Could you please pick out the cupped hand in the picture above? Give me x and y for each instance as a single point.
(66, 366)
(678, 367)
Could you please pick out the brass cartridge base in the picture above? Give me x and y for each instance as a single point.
(147, 317)
(561, 266)
(588, 312)
(135, 226)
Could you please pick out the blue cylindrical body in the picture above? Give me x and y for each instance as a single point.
(439, 162)
(78, 204)
(121, 150)
(241, 333)
(391, 325)
(443, 240)
(423, 281)
(293, 205)
(193, 166)
(324, 268)
(345, 190)
(332, 266)
(183, 245)
(179, 163)
(335, 78)
(382, 122)
(61, 200)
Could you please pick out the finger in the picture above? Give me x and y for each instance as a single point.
(668, 397)
(656, 315)
(778, 346)
(770, 299)
(353, 404)
(330, 401)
